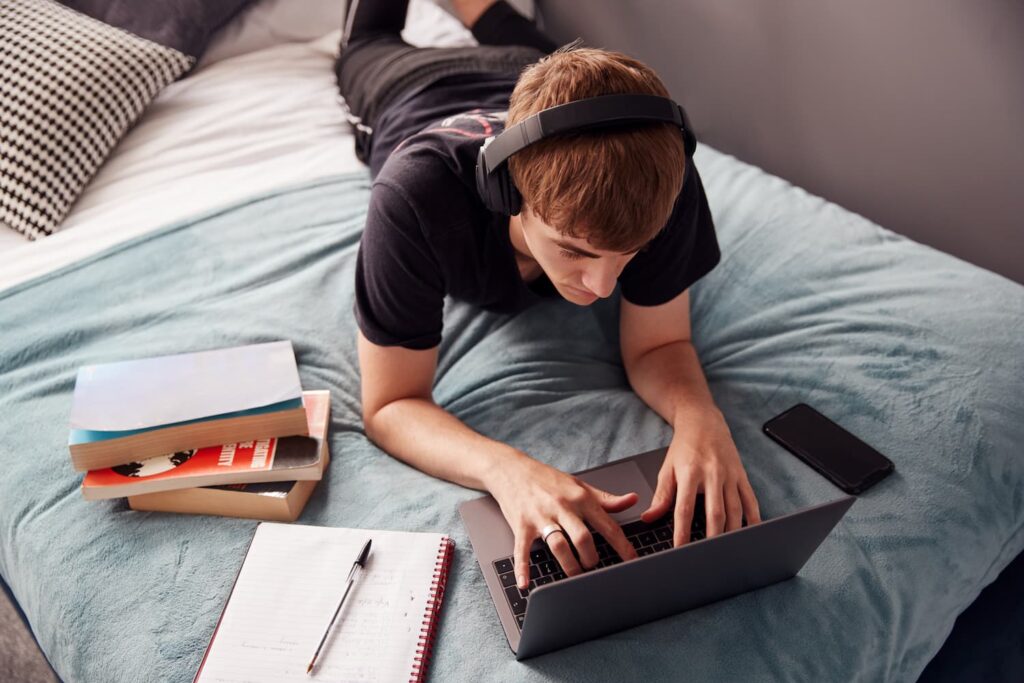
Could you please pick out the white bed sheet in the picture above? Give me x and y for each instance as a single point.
(241, 126)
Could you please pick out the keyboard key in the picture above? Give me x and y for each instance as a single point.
(603, 551)
(644, 551)
(524, 592)
(508, 579)
(503, 565)
(635, 540)
(515, 601)
(634, 528)
(548, 567)
(614, 559)
(534, 571)
(647, 538)
(663, 534)
(538, 556)
(520, 619)
(558, 576)
(544, 580)
(662, 546)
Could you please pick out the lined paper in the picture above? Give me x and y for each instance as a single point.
(288, 588)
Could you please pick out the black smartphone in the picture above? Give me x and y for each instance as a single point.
(835, 453)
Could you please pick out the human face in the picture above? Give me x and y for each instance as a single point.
(580, 272)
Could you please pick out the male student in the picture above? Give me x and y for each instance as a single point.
(608, 206)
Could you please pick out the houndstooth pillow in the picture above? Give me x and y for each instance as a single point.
(70, 87)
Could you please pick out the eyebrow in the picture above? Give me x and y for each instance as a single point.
(584, 252)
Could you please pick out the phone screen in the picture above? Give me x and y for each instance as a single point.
(846, 460)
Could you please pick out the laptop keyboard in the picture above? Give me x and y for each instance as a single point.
(544, 568)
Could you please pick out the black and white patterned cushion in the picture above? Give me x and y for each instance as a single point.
(70, 87)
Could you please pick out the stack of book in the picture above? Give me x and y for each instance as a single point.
(222, 432)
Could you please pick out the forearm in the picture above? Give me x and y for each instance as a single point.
(671, 381)
(424, 435)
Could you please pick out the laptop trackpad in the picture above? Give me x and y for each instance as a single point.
(622, 477)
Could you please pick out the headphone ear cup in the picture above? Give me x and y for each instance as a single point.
(493, 187)
(689, 142)
(512, 201)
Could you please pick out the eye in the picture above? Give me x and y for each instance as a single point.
(571, 255)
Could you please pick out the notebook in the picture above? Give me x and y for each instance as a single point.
(286, 592)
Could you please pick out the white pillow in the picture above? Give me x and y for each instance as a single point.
(271, 22)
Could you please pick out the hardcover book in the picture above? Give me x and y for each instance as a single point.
(277, 501)
(132, 410)
(291, 458)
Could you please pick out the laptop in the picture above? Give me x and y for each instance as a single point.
(558, 610)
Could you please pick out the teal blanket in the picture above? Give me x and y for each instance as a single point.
(919, 353)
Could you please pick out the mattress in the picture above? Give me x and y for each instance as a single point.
(810, 303)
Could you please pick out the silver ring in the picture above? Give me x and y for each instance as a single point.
(550, 529)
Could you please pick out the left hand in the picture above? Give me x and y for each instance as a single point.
(702, 458)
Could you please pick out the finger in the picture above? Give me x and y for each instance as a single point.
(664, 495)
(686, 496)
(733, 508)
(750, 507)
(581, 539)
(613, 502)
(714, 502)
(559, 546)
(521, 555)
(612, 532)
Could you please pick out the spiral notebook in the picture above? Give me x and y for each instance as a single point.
(286, 592)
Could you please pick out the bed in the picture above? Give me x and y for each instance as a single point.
(239, 232)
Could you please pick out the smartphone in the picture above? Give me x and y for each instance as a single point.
(835, 453)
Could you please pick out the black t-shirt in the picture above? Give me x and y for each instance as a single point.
(429, 236)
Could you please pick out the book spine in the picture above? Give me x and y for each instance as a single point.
(428, 626)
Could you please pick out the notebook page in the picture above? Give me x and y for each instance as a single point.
(289, 587)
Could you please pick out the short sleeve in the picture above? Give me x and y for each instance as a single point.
(683, 252)
(399, 289)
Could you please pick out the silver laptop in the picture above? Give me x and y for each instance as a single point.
(558, 610)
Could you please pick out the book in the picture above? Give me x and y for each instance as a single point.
(291, 458)
(277, 501)
(287, 589)
(132, 410)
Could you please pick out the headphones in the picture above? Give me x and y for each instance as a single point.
(493, 179)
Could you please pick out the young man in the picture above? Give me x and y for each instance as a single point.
(604, 207)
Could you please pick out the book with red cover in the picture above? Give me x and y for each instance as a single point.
(277, 501)
(293, 458)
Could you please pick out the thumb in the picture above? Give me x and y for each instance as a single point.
(612, 502)
(661, 502)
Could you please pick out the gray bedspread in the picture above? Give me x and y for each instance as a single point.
(917, 352)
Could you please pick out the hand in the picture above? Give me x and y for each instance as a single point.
(533, 495)
(702, 458)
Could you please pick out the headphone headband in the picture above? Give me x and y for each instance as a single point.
(601, 111)
(493, 180)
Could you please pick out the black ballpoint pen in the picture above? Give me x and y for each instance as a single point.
(358, 564)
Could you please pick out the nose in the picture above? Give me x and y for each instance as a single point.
(600, 278)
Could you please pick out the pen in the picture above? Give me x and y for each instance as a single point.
(358, 564)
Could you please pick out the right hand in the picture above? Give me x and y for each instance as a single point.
(533, 495)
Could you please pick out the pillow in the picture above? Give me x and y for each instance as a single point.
(73, 81)
(273, 22)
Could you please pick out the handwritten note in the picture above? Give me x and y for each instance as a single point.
(288, 588)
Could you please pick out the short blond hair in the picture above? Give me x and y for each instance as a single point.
(615, 186)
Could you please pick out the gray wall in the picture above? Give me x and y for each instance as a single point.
(909, 112)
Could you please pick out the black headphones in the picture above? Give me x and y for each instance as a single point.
(493, 180)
